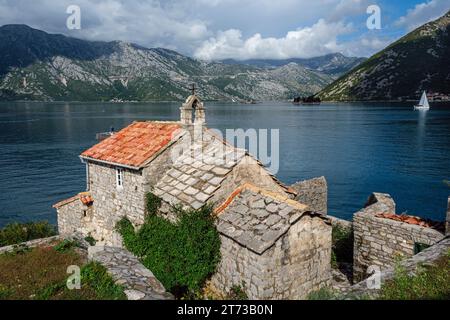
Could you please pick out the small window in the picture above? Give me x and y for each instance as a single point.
(119, 178)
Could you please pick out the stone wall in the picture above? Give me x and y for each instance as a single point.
(248, 170)
(74, 217)
(31, 244)
(379, 241)
(427, 256)
(111, 203)
(313, 193)
(126, 270)
(297, 264)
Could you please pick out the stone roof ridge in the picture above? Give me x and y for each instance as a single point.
(256, 218)
(249, 186)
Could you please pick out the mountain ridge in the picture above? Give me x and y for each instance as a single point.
(333, 63)
(39, 66)
(418, 61)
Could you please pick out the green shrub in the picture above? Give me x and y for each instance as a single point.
(20, 232)
(237, 293)
(342, 246)
(323, 294)
(96, 277)
(66, 245)
(90, 240)
(428, 283)
(153, 203)
(182, 255)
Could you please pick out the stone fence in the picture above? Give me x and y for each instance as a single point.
(380, 241)
(429, 256)
(30, 244)
(139, 282)
(313, 193)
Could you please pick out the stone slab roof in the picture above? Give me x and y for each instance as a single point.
(198, 173)
(256, 218)
(134, 145)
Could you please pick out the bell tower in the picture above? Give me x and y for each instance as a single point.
(192, 112)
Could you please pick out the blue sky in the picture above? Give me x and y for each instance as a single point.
(239, 29)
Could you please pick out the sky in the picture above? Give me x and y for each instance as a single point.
(233, 29)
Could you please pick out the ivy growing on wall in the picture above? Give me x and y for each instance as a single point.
(181, 255)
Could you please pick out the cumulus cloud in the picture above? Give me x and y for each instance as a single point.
(250, 28)
(150, 23)
(423, 13)
(319, 39)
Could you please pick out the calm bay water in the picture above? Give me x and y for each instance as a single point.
(359, 148)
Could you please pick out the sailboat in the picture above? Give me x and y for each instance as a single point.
(423, 104)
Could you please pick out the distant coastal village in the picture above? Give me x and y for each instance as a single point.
(171, 210)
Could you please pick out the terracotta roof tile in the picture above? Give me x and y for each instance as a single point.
(135, 144)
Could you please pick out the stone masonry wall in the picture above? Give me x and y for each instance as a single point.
(247, 170)
(313, 193)
(428, 256)
(111, 203)
(379, 241)
(296, 265)
(74, 217)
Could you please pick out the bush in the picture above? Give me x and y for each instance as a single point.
(153, 203)
(95, 276)
(428, 283)
(181, 255)
(323, 294)
(21, 232)
(66, 245)
(237, 293)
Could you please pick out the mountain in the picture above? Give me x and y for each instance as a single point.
(416, 62)
(332, 64)
(35, 65)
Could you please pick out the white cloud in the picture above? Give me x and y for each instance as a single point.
(366, 45)
(251, 28)
(423, 13)
(319, 39)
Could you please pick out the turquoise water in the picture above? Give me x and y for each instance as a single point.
(359, 148)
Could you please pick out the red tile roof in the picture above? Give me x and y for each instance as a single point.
(135, 144)
(412, 220)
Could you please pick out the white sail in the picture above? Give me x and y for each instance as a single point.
(425, 100)
(422, 99)
(423, 104)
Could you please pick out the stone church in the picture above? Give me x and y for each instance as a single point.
(272, 245)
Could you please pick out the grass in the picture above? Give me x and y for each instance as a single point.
(20, 232)
(41, 274)
(428, 283)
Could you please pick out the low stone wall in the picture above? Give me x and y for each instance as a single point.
(380, 241)
(338, 222)
(313, 193)
(126, 270)
(428, 256)
(30, 244)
